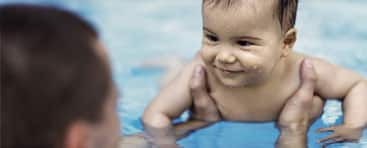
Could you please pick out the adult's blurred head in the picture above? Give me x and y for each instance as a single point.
(56, 86)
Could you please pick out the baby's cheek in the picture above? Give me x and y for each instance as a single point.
(256, 66)
(255, 61)
(207, 54)
(249, 60)
(264, 67)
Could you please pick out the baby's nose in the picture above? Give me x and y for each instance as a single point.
(226, 58)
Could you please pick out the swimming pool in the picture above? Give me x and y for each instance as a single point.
(138, 30)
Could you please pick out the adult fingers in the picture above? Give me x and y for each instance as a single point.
(308, 79)
(317, 107)
(327, 129)
(304, 95)
(336, 140)
(308, 75)
(330, 137)
(299, 107)
(203, 105)
(198, 84)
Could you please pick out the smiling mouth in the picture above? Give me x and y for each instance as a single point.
(228, 70)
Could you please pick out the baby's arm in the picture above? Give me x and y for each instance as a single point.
(174, 99)
(337, 82)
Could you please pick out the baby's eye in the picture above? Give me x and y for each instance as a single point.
(212, 38)
(244, 43)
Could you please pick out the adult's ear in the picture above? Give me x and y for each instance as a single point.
(77, 135)
(289, 40)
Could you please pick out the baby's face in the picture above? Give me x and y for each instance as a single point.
(241, 44)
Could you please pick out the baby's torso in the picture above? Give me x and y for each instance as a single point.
(255, 106)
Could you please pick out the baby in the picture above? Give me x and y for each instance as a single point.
(252, 70)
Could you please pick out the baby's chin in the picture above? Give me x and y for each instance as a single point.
(238, 82)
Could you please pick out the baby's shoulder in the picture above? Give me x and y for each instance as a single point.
(318, 63)
(324, 70)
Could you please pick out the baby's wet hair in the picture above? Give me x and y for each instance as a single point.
(286, 10)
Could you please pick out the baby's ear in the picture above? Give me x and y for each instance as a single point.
(289, 40)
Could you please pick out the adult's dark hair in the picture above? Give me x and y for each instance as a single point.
(286, 10)
(51, 75)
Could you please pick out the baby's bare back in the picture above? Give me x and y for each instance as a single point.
(260, 104)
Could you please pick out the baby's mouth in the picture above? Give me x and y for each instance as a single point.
(227, 70)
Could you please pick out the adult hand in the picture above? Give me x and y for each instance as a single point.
(204, 113)
(204, 107)
(204, 110)
(300, 110)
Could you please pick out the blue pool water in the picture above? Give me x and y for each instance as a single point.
(138, 30)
